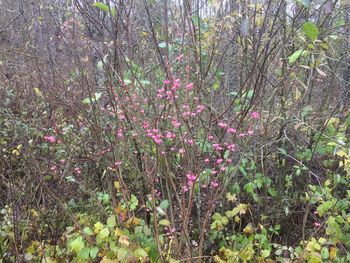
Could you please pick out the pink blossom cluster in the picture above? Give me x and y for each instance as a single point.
(155, 135)
(191, 178)
(50, 138)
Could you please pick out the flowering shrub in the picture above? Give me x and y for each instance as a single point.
(173, 155)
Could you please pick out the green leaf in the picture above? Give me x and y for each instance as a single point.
(250, 94)
(140, 253)
(133, 202)
(145, 82)
(111, 222)
(325, 253)
(296, 55)
(164, 204)
(311, 30)
(265, 253)
(104, 233)
(122, 253)
(77, 244)
(305, 111)
(164, 222)
(84, 253)
(104, 7)
(272, 191)
(93, 252)
(88, 231)
(232, 213)
(94, 98)
(101, 6)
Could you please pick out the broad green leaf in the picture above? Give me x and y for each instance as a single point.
(325, 253)
(104, 233)
(77, 244)
(296, 55)
(97, 227)
(111, 222)
(265, 253)
(84, 253)
(164, 204)
(133, 202)
(88, 231)
(93, 252)
(122, 253)
(311, 31)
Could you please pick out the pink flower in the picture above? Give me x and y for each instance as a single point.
(231, 147)
(214, 184)
(222, 124)
(182, 151)
(219, 161)
(250, 132)
(210, 137)
(117, 163)
(185, 188)
(53, 168)
(206, 160)
(255, 115)
(231, 130)
(180, 57)
(200, 108)
(176, 84)
(170, 135)
(189, 141)
(77, 170)
(217, 147)
(189, 86)
(50, 139)
(191, 177)
(175, 123)
(166, 82)
(120, 133)
(317, 224)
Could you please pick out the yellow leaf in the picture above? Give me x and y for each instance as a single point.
(230, 197)
(332, 253)
(38, 92)
(117, 185)
(297, 94)
(15, 152)
(164, 222)
(136, 221)
(248, 230)
(97, 227)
